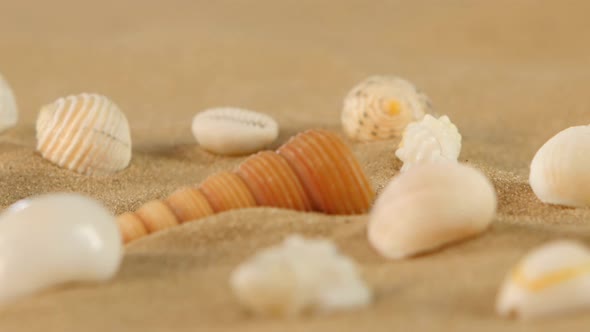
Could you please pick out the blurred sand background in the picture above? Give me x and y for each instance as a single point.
(509, 73)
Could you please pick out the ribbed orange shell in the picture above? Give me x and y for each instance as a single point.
(156, 216)
(226, 191)
(131, 227)
(189, 204)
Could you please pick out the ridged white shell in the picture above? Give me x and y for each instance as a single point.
(560, 171)
(8, 109)
(86, 133)
(429, 206)
(234, 131)
(297, 275)
(427, 140)
(381, 107)
(553, 279)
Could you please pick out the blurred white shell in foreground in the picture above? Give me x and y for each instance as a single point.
(53, 239)
(552, 279)
(8, 109)
(381, 107)
(297, 275)
(86, 133)
(560, 171)
(427, 140)
(429, 206)
(234, 131)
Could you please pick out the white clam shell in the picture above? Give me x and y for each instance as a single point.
(427, 140)
(86, 133)
(53, 239)
(560, 169)
(380, 107)
(234, 131)
(552, 279)
(297, 275)
(429, 206)
(8, 108)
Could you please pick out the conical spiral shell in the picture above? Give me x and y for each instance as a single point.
(8, 109)
(227, 191)
(86, 133)
(131, 227)
(189, 204)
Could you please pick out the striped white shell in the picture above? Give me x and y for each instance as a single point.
(86, 133)
(381, 107)
(428, 140)
(8, 109)
(234, 131)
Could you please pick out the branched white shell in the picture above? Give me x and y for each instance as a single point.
(429, 206)
(300, 274)
(8, 109)
(553, 279)
(560, 171)
(381, 107)
(427, 140)
(85, 133)
(234, 131)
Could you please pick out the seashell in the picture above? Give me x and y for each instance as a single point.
(329, 172)
(86, 133)
(298, 275)
(53, 239)
(380, 107)
(131, 226)
(226, 191)
(8, 109)
(189, 204)
(234, 131)
(551, 280)
(427, 140)
(272, 182)
(559, 171)
(156, 216)
(429, 206)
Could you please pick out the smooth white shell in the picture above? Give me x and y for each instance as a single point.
(560, 171)
(552, 279)
(53, 239)
(427, 140)
(429, 206)
(86, 133)
(8, 109)
(234, 131)
(380, 107)
(298, 275)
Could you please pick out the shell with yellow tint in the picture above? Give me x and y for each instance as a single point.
(227, 191)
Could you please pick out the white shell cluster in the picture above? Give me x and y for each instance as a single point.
(8, 109)
(53, 239)
(427, 140)
(380, 107)
(553, 279)
(429, 206)
(299, 274)
(86, 133)
(234, 131)
(560, 171)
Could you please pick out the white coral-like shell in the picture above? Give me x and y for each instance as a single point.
(86, 133)
(234, 131)
(8, 109)
(553, 279)
(428, 140)
(297, 275)
(429, 206)
(560, 170)
(381, 107)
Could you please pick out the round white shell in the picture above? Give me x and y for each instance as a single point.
(427, 140)
(8, 109)
(53, 239)
(297, 275)
(86, 133)
(429, 206)
(234, 131)
(560, 171)
(381, 107)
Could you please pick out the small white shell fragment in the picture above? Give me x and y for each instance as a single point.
(427, 140)
(560, 170)
(429, 206)
(234, 131)
(299, 275)
(8, 108)
(86, 133)
(551, 280)
(380, 107)
(53, 239)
